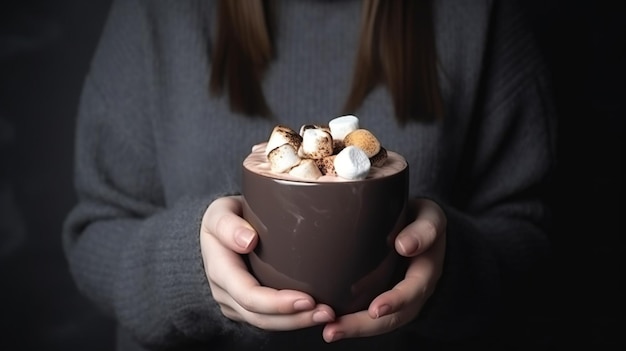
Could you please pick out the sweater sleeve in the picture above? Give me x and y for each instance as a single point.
(498, 218)
(129, 250)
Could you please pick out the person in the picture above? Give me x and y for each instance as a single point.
(179, 91)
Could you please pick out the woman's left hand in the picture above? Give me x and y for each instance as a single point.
(424, 242)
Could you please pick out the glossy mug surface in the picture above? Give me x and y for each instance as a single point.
(332, 240)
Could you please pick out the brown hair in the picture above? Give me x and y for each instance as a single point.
(396, 48)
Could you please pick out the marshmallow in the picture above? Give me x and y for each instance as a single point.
(283, 158)
(342, 126)
(326, 165)
(363, 139)
(316, 143)
(379, 159)
(312, 126)
(352, 163)
(307, 169)
(282, 135)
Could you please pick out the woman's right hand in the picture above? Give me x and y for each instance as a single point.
(224, 236)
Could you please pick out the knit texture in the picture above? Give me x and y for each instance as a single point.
(153, 149)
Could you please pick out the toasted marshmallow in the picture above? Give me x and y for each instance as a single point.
(326, 165)
(352, 163)
(363, 139)
(316, 143)
(312, 126)
(379, 159)
(307, 169)
(342, 126)
(283, 158)
(282, 135)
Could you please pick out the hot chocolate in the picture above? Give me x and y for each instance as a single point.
(320, 232)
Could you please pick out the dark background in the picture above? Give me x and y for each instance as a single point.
(45, 47)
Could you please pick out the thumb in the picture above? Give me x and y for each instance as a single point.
(222, 220)
(419, 235)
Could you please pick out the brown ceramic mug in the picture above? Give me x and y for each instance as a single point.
(332, 240)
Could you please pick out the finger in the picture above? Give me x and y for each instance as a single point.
(226, 303)
(418, 284)
(414, 286)
(420, 234)
(274, 322)
(232, 276)
(398, 306)
(223, 220)
(281, 322)
(389, 311)
(360, 324)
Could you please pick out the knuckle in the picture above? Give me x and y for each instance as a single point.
(430, 228)
(230, 314)
(246, 301)
(258, 321)
(427, 229)
(222, 223)
(393, 322)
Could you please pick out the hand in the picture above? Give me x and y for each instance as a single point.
(423, 241)
(224, 236)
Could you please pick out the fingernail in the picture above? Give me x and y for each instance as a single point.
(322, 317)
(303, 305)
(407, 244)
(382, 311)
(244, 237)
(337, 336)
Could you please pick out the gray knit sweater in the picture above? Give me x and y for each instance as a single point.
(153, 149)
